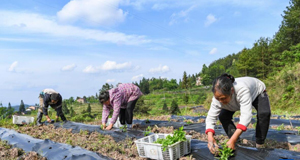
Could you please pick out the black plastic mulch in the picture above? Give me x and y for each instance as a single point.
(47, 148)
(201, 152)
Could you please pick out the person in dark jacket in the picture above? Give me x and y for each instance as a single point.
(50, 97)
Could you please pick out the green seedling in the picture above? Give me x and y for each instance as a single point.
(298, 129)
(188, 122)
(148, 131)
(225, 152)
(169, 119)
(147, 121)
(178, 135)
(124, 128)
(281, 127)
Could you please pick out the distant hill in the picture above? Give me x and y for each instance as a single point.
(16, 107)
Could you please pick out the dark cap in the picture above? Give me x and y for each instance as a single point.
(54, 96)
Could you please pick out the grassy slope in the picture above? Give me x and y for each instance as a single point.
(283, 90)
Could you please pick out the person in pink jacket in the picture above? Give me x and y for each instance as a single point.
(122, 101)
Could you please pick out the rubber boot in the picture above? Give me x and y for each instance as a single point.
(39, 118)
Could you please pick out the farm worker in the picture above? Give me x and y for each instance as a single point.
(122, 101)
(231, 95)
(52, 98)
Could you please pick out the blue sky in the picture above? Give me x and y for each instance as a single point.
(76, 46)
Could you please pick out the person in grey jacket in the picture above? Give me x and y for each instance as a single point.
(50, 97)
(231, 95)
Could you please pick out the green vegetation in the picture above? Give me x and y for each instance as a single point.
(124, 128)
(148, 131)
(178, 135)
(280, 128)
(225, 152)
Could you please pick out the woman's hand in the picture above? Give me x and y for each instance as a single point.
(231, 144)
(109, 127)
(212, 144)
(103, 126)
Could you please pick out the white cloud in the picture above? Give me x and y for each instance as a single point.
(110, 80)
(213, 51)
(110, 66)
(137, 78)
(13, 66)
(33, 23)
(175, 17)
(210, 19)
(160, 69)
(93, 12)
(70, 67)
(90, 69)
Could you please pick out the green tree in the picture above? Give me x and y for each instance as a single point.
(185, 83)
(186, 98)
(246, 62)
(165, 107)
(65, 108)
(96, 96)
(144, 86)
(9, 105)
(174, 108)
(72, 112)
(141, 107)
(292, 56)
(89, 109)
(106, 87)
(71, 100)
(171, 85)
(289, 30)
(22, 107)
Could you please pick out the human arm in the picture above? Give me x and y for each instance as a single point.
(212, 116)
(245, 101)
(231, 142)
(105, 114)
(211, 143)
(210, 121)
(116, 103)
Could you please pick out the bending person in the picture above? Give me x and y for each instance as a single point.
(122, 101)
(50, 97)
(231, 95)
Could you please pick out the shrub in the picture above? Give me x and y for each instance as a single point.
(141, 107)
(174, 107)
(165, 107)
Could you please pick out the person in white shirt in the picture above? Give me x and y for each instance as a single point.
(233, 94)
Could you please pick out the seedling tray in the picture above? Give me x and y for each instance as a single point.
(148, 149)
